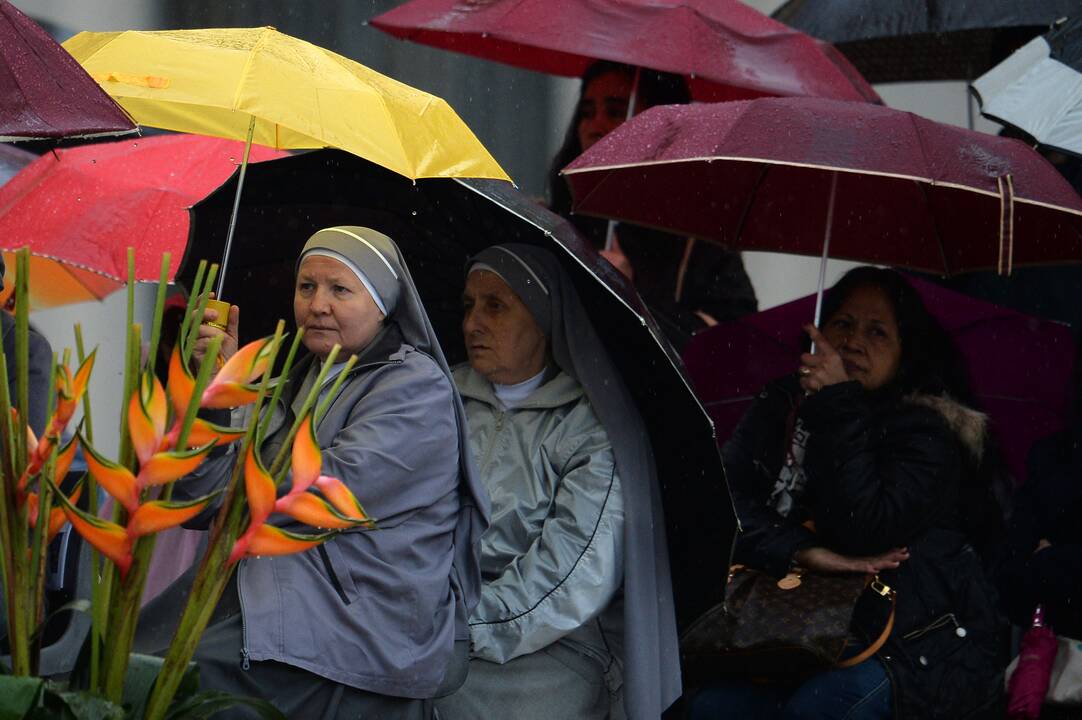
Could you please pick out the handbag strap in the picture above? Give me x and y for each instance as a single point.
(877, 586)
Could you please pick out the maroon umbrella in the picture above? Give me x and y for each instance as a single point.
(1020, 366)
(44, 92)
(726, 49)
(809, 175)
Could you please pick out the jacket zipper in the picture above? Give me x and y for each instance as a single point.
(245, 659)
(492, 444)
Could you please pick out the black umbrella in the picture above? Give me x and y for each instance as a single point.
(914, 40)
(438, 224)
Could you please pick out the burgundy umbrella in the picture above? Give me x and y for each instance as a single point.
(44, 92)
(726, 49)
(1020, 366)
(811, 176)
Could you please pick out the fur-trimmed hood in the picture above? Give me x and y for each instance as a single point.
(971, 426)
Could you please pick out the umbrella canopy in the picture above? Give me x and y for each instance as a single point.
(1038, 89)
(893, 188)
(12, 160)
(1020, 367)
(438, 224)
(913, 40)
(290, 93)
(726, 49)
(43, 91)
(79, 209)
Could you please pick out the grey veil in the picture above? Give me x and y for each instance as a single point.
(651, 651)
(379, 258)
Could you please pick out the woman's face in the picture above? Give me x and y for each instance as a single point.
(603, 106)
(333, 307)
(503, 341)
(864, 331)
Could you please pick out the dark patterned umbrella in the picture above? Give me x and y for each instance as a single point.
(913, 40)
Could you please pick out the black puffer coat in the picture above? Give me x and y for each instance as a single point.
(883, 473)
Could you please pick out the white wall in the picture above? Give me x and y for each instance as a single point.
(68, 17)
(104, 327)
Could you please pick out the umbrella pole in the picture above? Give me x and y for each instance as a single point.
(610, 229)
(236, 206)
(826, 251)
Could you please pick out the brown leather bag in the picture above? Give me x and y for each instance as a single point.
(783, 629)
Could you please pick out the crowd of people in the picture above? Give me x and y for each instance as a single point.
(510, 576)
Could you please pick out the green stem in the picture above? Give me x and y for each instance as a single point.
(197, 288)
(39, 545)
(11, 537)
(215, 570)
(97, 607)
(159, 305)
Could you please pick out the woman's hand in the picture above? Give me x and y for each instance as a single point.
(823, 368)
(828, 561)
(207, 333)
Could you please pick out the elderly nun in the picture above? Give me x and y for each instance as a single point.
(576, 617)
(371, 624)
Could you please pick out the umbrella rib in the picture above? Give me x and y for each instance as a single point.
(751, 200)
(935, 229)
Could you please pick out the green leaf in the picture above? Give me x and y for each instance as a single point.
(139, 681)
(204, 704)
(18, 696)
(78, 705)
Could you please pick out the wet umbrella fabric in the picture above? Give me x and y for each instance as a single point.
(758, 175)
(923, 40)
(79, 209)
(1019, 366)
(726, 49)
(43, 91)
(439, 224)
(1038, 89)
(268, 88)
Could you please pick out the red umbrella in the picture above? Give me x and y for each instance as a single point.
(79, 209)
(726, 49)
(44, 92)
(808, 175)
(1019, 365)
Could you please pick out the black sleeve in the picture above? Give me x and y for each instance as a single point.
(719, 285)
(767, 540)
(877, 487)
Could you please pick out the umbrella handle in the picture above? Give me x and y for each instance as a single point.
(236, 206)
(632, 101)
(826, 251)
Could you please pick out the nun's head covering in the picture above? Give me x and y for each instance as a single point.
(651, 679)
(379, 265)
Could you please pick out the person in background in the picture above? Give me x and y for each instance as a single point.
(369, 624)
(875, 442)
(689, 284)
(576, 615)
(1043, 558)
(40, 360)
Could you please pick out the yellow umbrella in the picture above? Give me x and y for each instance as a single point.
(262, 86)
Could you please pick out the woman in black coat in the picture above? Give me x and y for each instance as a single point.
(873, 442)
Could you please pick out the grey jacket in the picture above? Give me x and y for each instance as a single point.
(374, 610)
(552, 557)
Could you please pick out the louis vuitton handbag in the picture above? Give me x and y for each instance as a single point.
(784, 629)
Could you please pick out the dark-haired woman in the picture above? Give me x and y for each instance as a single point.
(872, 441)
(690, 284)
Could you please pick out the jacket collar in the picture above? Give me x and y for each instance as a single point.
(559, 390)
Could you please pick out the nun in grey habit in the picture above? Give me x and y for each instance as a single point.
(576, 615)
(370, 624)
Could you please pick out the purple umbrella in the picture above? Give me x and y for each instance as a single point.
(44, 92)
(1020, 366)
